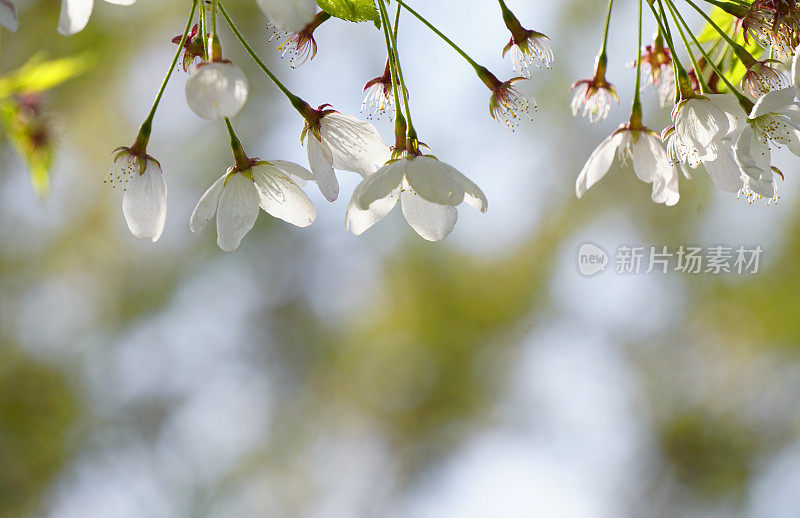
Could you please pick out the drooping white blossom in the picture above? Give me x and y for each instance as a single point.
(531, 50)
(8, 15)
(346, 143)
(144, 203)
(773, 122)
(75, 14)
(593, 98)
(290, 15)
(236, 196)
(216, 90)
(641, 148)
(428, 191)
(510, 104)
(698, 122)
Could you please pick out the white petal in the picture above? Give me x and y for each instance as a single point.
(280, 197)
(298, 173)
(237, 211)
(431, 221)
(8, 15)
(74, 16)
(646, 157)
(764, 187)
(216, 90)
(665, 190)
(473, 195)
(729, 104)
(698, 122)
(320, 160)
(431, 180)
(290, 15)
(356, 145)
(121, 2)
(724, 170)
(599, 163)
(207, 206)
(753, 155)
(359, 220)
(772, 102)
(145, 203)
(379, 185)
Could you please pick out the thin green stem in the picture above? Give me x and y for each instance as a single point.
(736, 47)
(214, 19)
(392, 46)
(637, 100)
(299, 104)
(204, 31)
(474, 64)
(704, 89)
(392, 66)
(744, 101)
(239, 156)
(602, 55)
(147, 125)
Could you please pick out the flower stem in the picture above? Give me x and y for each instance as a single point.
(214, 19)
(636, 111)
(439, 33)
(746, 103)
(204, 31)
(239, 156)
(683, 87)
(300, 105)
(704, 89)
(401, 126)
(602, 54)
(147, 125)
(391, 43)
(747, 59)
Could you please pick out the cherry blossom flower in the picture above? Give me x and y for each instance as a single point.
(761, 77)
(289, 15)
(235, 199)
(193, 48)
(428, 190)
(529, 49)
(145, 201)
(338, 141)
(643, 149)
(378, 98)
(8, 15)
(773, 24)
(75, 14)
(593, 96)
(300, 46)
(773, 122)
(217, 89)
(510, 105)
(698, 122)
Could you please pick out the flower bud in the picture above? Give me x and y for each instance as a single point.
(216, 90)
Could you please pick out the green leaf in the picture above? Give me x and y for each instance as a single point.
(352, 10)
(722, 19)
(38, 75)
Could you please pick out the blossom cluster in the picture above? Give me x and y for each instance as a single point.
(729, 129)
(427, 189)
